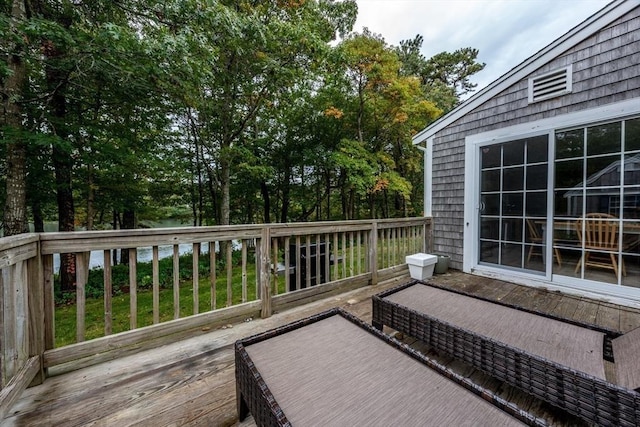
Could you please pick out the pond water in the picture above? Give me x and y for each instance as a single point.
(144, 254)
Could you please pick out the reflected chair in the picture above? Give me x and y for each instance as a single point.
(535, 236)
(598, 233)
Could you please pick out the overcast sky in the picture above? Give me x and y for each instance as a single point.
(506, 32)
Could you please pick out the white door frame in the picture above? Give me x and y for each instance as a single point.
(473, 143)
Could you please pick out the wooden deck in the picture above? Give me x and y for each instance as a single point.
(191, 382)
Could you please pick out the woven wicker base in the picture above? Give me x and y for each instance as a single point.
(333, 369)
(582, 394)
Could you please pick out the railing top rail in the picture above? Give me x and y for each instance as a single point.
(14, 249)
(11, 242)
(81, 241)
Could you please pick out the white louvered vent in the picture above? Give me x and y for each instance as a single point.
(550, 85)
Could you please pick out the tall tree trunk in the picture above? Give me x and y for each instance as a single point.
(264, 189)
(128, 223)
(57, 79)
(328, 188)
(90, 198)
(15, 212)
(38, 218)
(116, 226)
(211, 183)
(63, 165)
(225, 206)
(197, 194)
(286, 194)
(66, 214)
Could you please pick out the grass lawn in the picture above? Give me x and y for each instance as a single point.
(94, 311)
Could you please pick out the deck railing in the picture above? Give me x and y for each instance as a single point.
(236, 272)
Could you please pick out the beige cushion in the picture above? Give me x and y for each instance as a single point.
(334, 373)
(566, 344)
(626, 351)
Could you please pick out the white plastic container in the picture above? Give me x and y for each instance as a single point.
(421, 265)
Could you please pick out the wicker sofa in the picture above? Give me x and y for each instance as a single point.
(557, 360)
(334, 369)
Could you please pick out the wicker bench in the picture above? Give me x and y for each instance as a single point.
(556, 360)
(333, 369)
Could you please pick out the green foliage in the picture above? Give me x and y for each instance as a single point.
(217, 111)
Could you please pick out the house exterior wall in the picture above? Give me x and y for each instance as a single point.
(606, 70)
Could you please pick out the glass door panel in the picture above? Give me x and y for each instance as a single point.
(597, 202)
(513, 207)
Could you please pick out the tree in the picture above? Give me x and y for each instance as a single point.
(445, 76)
(13, 77)
(381, 110)
(264, 48)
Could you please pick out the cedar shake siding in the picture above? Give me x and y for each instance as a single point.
(606, 69)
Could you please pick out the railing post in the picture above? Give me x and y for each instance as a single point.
(373, 252)
(265, 272)
(49, 302)
(36, 313)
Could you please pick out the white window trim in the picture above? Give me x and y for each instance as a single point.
(427, 191)
(622, 294)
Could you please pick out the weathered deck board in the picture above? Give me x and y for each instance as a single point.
(192, 382)
(609, 316)
(629, 320)
(586, 311)
(567, 306)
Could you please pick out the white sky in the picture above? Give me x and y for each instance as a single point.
(506, 32)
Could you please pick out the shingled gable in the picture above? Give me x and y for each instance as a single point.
(596, 22)
(504, 158)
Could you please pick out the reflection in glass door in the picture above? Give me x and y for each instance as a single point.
(513, 203)
(597, 202)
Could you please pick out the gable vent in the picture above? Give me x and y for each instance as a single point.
(550, 85)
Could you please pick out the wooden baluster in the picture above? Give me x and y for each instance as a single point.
(359, 245)
(108, 292)
(350, 253)
(298, 266)
(212, 274)
(327, 264)
(81, 281)
(318, 255)
(336, 274)
(307, 261)
(196, 277)
(229, 246)
(133, 289)
(274, 267)
(244, 270)
(176, 282)
(155, 273)
(373, 253)
(265, 277)
(287, 264)
(49, 302)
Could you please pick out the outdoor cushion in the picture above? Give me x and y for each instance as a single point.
(561, 342)
(627, 352)
(560, 361)
(335, 370)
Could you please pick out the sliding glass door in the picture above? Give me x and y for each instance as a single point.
(597, 202)
(513, 203)
(590, 228)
